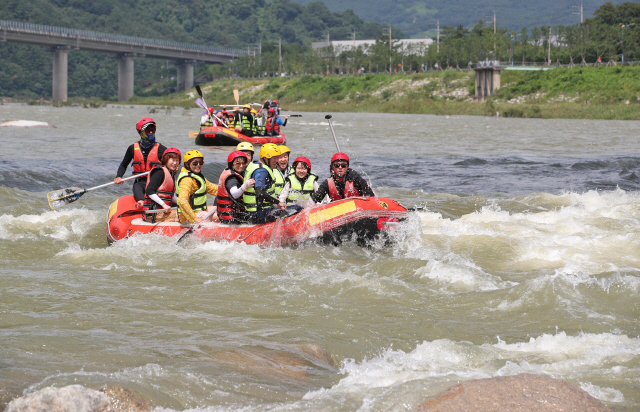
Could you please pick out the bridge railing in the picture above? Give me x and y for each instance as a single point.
(116, 38)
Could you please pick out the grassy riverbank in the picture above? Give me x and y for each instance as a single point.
(579, 93)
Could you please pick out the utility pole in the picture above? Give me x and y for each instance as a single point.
(390, 50)
(581, 11)
(354, 37)
(549, 44)
(494, 34)
(438, 38)
(280, 54)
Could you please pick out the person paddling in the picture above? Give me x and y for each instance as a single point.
(161, 186)
(192, 189)
(146, 155)
(343, 183)
(231, 188)
(272, 127)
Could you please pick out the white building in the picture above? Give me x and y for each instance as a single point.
(345, 45)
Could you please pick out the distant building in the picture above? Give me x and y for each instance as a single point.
(344, 45)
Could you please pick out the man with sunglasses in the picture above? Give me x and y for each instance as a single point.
(343, 183)
(146, 155)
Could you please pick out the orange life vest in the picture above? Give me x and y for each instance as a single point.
(165, 191)
(272, 128)
(349, 190)
(139, 164)
(229, 208)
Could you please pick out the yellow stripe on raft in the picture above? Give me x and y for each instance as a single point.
(331, 212)
(112, 209)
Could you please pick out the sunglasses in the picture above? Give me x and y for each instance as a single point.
(148, 129)
(239, 161)
(197, 163)
(340, 165)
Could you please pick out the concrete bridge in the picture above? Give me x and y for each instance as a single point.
(127, 48)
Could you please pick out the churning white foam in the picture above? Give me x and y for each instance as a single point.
(582, 358)
(55, 224)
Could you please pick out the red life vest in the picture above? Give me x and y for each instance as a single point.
(139, 165)
(349, 190)
(165, 191)
(229, 208)
(272, 128)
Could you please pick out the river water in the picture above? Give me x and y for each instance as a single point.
(526, 259)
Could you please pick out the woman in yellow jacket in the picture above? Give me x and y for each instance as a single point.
(192, 190)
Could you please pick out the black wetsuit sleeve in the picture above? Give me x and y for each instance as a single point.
(156, 179)
(362, 186)
(285, 122)
(128, 157)
(322, 191)
(262, 195)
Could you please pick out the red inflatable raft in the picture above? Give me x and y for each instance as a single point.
(222, 136)
(357, 218)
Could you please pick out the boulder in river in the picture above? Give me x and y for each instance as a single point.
(522, 393)
(25, 123)
(73, 398)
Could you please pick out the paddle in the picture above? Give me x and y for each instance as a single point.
(200, 102)
(193, 227)
(328, 117)
(236, 95)
(139, 212)
(61, 197)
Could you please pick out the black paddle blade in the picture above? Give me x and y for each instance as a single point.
(61, 197)
(328, 117)
(199, 90)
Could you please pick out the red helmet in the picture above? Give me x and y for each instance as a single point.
(143, 123)
(303, 160)
(276, 102)
(210, 109)
(234, 155)
(272, 111)
(340, 156)
(172, 150)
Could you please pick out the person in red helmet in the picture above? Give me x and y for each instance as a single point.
(211, 119)
(301, 184)
(231, 187)
(146, 155)
(161, 187)
(343, 183)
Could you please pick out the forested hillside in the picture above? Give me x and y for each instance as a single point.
(26, 70)
(416, 16)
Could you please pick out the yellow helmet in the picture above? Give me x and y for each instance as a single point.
(245, 146)
(284, 149)
(247, 106)
(269, 150)
(192, 154)
(253, 111)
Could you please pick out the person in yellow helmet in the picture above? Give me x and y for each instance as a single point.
(282, 169)
(246, 148)
(192, 189)
(260, 201)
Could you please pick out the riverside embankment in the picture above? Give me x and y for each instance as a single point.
(609, 93)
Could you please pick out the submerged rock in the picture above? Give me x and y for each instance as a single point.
(25, 123)
(124, 400)
(73, 398)
(522, 393)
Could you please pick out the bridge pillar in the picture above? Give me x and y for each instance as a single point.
(487, 82)
(185, 74)
(125, 76)
(60, 63)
